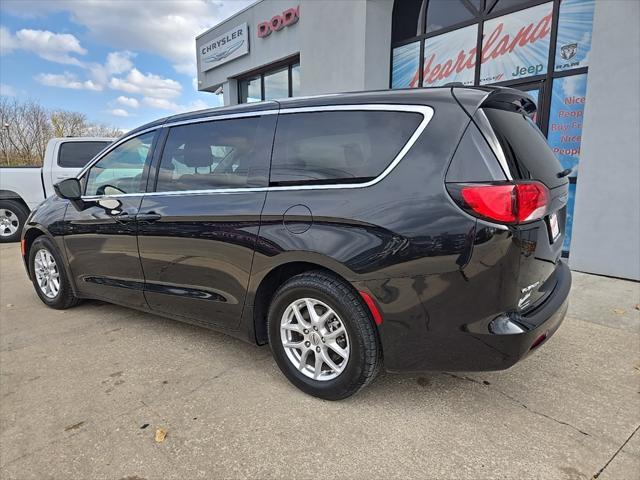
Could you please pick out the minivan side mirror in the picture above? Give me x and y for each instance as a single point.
(69, 189)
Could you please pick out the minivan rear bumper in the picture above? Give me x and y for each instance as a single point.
(456, 347)
(538, 325)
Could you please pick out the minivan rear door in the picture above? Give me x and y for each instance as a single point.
(199, 221)
(523, 153)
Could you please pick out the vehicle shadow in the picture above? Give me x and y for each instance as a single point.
(408, 387)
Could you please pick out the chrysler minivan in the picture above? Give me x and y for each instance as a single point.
(419, 230)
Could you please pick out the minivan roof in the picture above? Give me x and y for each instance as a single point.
(473, 96)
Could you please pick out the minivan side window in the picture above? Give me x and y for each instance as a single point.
(78, 154)
(211, 155)
(121, 169)
(339, 146)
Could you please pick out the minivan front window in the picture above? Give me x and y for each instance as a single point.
(122, 168)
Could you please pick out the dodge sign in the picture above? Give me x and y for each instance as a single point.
(223, 49)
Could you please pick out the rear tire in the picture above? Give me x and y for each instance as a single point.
(13, 216)
(332, 352)
(48, 275)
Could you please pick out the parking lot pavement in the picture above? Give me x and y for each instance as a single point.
(84, 390)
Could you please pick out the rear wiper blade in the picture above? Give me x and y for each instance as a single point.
(564, 173)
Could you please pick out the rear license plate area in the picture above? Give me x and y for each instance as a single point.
(554, 228)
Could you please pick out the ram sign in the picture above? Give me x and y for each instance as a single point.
(223, 49)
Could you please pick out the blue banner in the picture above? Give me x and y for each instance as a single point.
(574, 34)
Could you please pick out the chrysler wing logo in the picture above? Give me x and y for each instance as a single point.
(569, 51)
(216, 57)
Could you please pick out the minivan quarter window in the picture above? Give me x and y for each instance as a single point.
(212, 155)
(122, 168)
(341, 146)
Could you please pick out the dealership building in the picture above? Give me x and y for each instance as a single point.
(578, 59)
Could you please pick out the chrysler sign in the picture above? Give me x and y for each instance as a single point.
(223, 49)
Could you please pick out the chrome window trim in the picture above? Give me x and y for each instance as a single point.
(426, 111)
(490, 135)
(115, 144)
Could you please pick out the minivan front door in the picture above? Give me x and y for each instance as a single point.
(100, 239)
(197, 231)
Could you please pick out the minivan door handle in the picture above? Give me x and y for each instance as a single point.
(148, 217)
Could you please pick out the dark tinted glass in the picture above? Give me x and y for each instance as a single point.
(324, 147)
(502, 4)
(406, 19)
(210, 155)
(525, 148)
(78, 154)
(445, 13)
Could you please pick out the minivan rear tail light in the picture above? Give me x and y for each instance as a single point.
(504, 202)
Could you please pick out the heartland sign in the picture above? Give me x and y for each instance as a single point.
(223, 49)
(514, 46)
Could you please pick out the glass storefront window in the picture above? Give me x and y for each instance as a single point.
(280, 82)
(450, 57)
(502, 4)
(406, 62)
(565, 133)
(295, 80)
(445, 13)
(406, 19)
(565, 120)
(250, 90)
(516, 45)
(574, 34)
(276, 84)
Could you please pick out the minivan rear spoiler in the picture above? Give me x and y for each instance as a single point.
(503, 98)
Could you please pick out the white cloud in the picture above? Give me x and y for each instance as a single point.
(66, 80)
(128, 101)
(7, 90)
(116, 63)
(118, 112)
(148, 85)
(164, 104)
(7, 42)
(164, 28)
(55, 47)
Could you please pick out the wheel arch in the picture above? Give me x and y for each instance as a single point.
(270, 283)
(30, 236)
(14, 196)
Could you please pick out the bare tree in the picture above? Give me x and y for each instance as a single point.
(26, 127)
(68, 124)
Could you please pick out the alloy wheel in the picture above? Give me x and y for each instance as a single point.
(314, 339)
(9, 223)
(47, 274)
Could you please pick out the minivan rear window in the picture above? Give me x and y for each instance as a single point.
(340, 146)
(78, 154)
(525, 149)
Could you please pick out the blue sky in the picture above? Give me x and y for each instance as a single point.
(122, 63)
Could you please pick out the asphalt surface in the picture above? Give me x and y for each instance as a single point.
(83, 392)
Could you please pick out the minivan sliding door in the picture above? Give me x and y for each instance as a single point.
(197, 230)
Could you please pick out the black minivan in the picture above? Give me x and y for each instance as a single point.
(421, 229)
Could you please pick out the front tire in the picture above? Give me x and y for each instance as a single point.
(48, 275)
(13, 216)
(322, 336)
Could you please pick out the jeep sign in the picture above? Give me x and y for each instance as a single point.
(223, 49)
